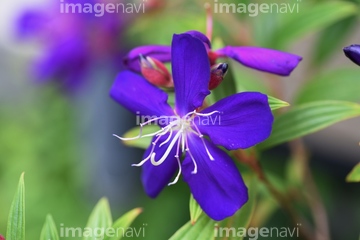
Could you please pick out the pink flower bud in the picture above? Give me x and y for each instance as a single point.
(217, 74)
(155, 72)
(1, 237)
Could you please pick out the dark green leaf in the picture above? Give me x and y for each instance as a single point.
(310, 18)
(339, 84)
(308, 118)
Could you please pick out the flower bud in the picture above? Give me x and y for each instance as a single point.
(155, 72)
(217, 74)
(1, 237)
(353, 53)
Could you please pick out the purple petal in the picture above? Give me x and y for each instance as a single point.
(31, 22)
(65, 59)
(245, 119)
(191, 72)
(155, 178)
(201, 37)
(353, 53)
(161, 53)
(140, 97)
(263, 59)
(217, 186)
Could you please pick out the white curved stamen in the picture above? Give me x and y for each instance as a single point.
(168, 139)
(139, 135)
(179, 164)
(182, 127)
(148, 157)
(206, 114)
(128, 139)
(203, 141)
(166, 154)
(188, 114)
(192, 157)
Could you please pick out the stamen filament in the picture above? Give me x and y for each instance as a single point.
(206, 114)
(179, 164)
(168, 139)
(148, 157)
(192, 158)
(166, 154)
(203, 141)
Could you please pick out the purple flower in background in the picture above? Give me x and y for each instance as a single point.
(72, 42)
(262, 59)
(353, 53)
(238, 121)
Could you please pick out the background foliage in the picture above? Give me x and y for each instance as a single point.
(65, 175)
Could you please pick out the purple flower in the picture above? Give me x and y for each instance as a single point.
(238, 121)
(353, 53)
(72, 42)
(262, 59)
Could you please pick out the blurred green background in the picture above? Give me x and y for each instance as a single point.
(64, 145)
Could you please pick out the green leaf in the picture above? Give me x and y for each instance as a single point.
(277, 103)
(143, 143)
(241, 219)
(100, 217)
(195, 210)
(123, 223)
(310, 18)
(338, 32)
(49, 231)
(16, 220)
(204, 228)
(308, 118)
(340, 84)
(354, 175)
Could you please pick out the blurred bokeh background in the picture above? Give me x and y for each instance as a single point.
(60, 133)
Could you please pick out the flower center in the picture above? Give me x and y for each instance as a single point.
(178, 126)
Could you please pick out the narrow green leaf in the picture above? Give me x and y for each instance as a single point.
(195, 210)
(308, 118)
(340, 84)
(123, 223)
(143, 143)
(277, 103)
(49, 231)
(310, 18)
(354, 175)
(16, 220)
(100, 217)
(204, 228)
